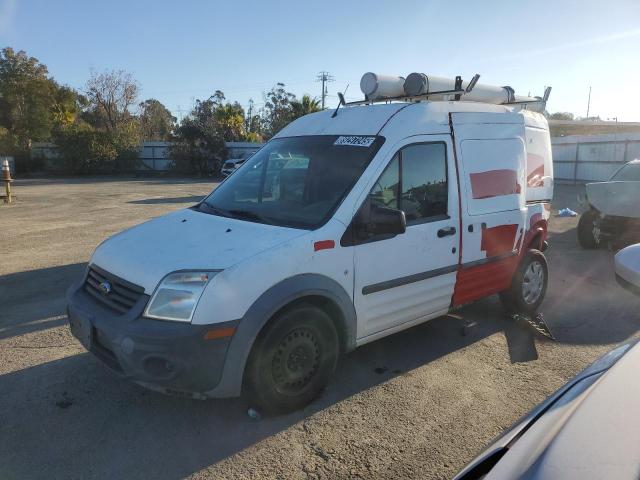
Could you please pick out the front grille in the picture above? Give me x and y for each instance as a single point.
(120, 294)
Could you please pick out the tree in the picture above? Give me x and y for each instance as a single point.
(156, 121)
(561, 116)
(199, 141)
(277, 109)
(200, 138)
(304, 106)
(110, 94)
(31, 103)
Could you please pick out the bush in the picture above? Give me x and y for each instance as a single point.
(85, 150)
(198, 148)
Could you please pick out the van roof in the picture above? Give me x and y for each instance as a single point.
(417, 118)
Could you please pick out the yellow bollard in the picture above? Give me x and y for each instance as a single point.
(6, 178)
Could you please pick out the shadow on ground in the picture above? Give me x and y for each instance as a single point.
(34, 300)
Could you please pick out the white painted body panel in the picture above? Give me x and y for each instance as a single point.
(539, 178)
(185, 240)
(230, 294)
(416, 251)
(489, 142)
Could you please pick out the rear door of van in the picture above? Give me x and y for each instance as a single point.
(491, 156)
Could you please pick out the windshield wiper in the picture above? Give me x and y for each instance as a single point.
(247, 215)
(214, 210)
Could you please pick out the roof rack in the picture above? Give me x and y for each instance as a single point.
(418, 86)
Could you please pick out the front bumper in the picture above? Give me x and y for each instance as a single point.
(171, 357)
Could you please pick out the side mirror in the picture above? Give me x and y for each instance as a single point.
(385, 221)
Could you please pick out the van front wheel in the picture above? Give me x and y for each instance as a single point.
(292, 360)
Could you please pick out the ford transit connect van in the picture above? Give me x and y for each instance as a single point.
(343, 229)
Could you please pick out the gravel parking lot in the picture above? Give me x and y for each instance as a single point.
(418, 404)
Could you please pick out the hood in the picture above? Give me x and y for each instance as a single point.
(185, 240)
(620, 199)
(591, 433)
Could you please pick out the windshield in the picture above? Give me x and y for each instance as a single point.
(629, 173)
(295, 182)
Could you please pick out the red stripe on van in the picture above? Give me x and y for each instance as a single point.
(473, 283)
(483, 280)
(498, 240)
(494, 183)
(535, 170)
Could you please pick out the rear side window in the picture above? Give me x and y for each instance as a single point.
(415, 181)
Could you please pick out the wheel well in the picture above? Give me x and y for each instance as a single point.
(536, 241)
(329, 307)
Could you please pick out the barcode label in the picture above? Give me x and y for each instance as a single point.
(355, 141)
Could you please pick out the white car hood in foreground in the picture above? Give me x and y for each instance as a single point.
(615, 198)
(185, 240)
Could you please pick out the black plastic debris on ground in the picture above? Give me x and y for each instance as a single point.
(536, 323)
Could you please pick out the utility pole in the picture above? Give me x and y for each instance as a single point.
(248, 127)
(589, 102)
(325, 78)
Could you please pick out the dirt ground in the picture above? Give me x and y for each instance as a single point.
(418, 404)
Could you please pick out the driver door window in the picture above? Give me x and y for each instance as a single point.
(415, 181)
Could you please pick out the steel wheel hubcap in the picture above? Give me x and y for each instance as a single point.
(533, 282)
(296, 360)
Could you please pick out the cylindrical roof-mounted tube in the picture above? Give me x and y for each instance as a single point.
(377, 87)
(422, 84)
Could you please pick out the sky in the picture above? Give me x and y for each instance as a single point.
(180, 51)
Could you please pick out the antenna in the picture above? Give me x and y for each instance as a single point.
(341, 101)
(472, 83)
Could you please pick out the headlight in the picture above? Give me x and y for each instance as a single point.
(177, 295)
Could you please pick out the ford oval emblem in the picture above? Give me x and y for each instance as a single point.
(105, 288)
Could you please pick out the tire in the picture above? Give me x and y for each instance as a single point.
(529, 285)
(292, 360)
(586, 235)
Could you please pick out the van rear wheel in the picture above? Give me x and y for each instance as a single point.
(292, 360)
(528, 286)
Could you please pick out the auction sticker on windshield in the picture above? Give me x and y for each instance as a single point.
(355, 141)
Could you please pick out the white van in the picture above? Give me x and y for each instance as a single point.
(343, 229)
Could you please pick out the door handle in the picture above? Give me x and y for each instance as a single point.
(445, 232)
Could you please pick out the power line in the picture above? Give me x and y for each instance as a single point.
(325, 78)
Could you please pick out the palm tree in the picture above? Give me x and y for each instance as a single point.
(304, 106)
